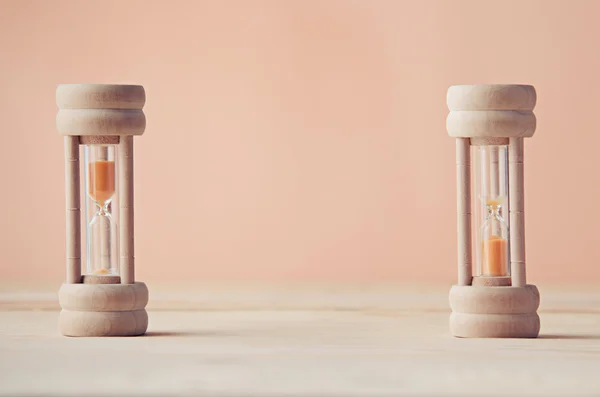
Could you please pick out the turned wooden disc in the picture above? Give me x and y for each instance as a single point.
(491, 124)
(491, 97)
(100, 96)
(494, 300)
(491, 111)
(103, 297)
(82, 122)
(494, 312)
(466, 325)
(121, 323)
(100, 109)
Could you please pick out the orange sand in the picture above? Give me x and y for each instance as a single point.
(495, 257)
(102, 180)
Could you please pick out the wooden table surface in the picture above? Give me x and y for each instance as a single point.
(325, 341)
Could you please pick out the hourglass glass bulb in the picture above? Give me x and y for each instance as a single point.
(494, 238)
(102, 233)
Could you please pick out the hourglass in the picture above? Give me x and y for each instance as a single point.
(102, 119)
(490, 123)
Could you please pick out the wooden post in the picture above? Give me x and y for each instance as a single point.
(73, 211)
(517, 212)
(127, 260)
(463, 186)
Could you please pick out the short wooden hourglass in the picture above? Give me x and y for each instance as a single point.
(102, 119)
(489, 123)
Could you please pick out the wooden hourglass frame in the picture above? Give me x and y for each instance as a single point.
(495, 303)
(101, 116)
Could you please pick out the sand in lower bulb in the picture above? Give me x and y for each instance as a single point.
(494, 257)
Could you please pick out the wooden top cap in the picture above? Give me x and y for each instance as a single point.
(491, 97)
(100, 96)
(100, 109)
(491, 111)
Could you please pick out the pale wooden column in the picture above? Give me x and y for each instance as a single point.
(73, 211)
(127, 257)
(517, 212)
(463, 186)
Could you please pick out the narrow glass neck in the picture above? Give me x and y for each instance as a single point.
(103, 209)
(494, 211)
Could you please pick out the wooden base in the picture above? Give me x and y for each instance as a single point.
(127, 323)
(494, 312)
(103, 309)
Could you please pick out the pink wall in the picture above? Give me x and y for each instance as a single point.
(301, 140)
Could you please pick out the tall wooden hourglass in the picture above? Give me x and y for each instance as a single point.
(492, 298)
(105, 299)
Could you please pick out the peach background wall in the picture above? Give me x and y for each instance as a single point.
(301, 140)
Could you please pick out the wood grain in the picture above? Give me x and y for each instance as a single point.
(100, 96)
(126, 212)
(103, 297)
(491, 123)
(100, 324)
(73, 210)
(517, 212)
(96, 122)
(491, 97)
(463, 203)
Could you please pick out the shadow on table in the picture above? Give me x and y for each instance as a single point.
(569, 336)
